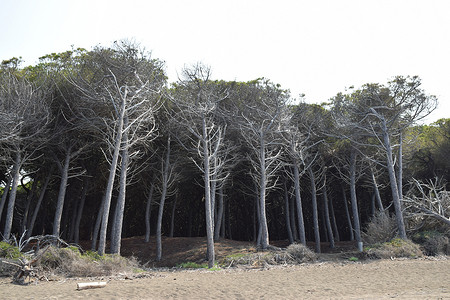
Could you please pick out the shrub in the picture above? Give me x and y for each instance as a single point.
(394, 248)
(381, 228)
(433, 242)
(9, 251)
(301, 253)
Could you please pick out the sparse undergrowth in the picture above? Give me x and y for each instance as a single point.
(433, 242)
(394, 248)
(294, 254)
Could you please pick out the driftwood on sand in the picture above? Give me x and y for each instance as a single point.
(90, 285)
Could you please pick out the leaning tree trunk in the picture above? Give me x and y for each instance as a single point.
(30, 197)
(12, 197)
(165, 182)
(38, 206)
(62, 194)
(400, 168)
(298, 202)
(112, 175)
(333, 221)
(97, 225)
(353, 199)
(314, 210)
(116, 234)
(393, 181)
(148, 211)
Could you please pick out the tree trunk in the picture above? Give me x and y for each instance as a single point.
(38, 205)
(5, 196)
(327, 215)
(298, 202)
(112, 175)
(62, 193)
(80, 211)
(400, 167)
(287, 214)
(347, 213)
(208, 208)
(30, 197)
(393, 181)
(377, 191)
(220, 214)
(172, 218)
(165, 181)
(12, 196)
(148, 211)
(333, 221)
(264, 243)
(314, 209)
(97, 225)
(353, 199)
(293, 219)
(116, 233)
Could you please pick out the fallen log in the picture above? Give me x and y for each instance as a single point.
(90, 285)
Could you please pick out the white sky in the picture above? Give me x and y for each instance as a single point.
(316, 47)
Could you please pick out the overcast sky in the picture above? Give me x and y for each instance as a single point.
(318, 48)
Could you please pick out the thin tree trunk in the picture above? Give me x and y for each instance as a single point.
(112, 175)
(75, 205)
(353, 199)
(220, 214)
(116, 234)
(38, 205)
(293, 219)
(12, 197)
(5, 196)
(62, 194)
(298, 202)
(327, 215)
(80, 211)
(148, 211)
(97, 225)
(172, 218)
(347, 213)
(287, 214)
(314, 209)
(264, 243)
(377, 191)
(393, 181)
(208, 208)
(333, 221)
(222, 227)
(30, 197)
(400, 167)
(165, 181)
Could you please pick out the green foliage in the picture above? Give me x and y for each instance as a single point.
(9, 251)
(353, 258)
(193, 265)
(394, 248)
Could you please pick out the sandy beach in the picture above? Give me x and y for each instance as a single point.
(378, 279)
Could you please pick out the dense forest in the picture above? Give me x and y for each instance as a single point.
(98, 145)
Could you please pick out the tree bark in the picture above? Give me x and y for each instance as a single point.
(264, 243)
(220, 215)
(333, 221)
(80, 211)
(287, 214)
(347, 213)
(116, 234)
(393, 181)
(298, 202)
(314, 210)
(12, 196)
(148, 211)
(353, 199)
(62, 193)
(377, 191)
(5, 195)
(172, 218)
(38, 205)
(165, 181)
(97, 225)
(327, 216)
(112, 175)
